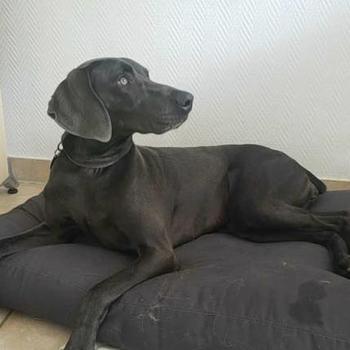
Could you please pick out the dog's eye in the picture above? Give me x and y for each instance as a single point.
(123, 81)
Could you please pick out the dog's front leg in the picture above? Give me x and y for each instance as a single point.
(152, 262)
(37, 236)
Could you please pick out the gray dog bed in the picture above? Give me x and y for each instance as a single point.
(229, 294)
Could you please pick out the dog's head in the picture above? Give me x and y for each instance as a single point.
(107, 97)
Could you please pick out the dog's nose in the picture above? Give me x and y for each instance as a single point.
(184, 100)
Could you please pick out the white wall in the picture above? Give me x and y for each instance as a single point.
(273, 72)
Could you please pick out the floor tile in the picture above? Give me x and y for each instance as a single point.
(25, 191)
(21, 332)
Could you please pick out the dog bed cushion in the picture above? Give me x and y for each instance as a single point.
(229, 293)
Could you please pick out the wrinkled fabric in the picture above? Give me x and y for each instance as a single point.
(229, 293)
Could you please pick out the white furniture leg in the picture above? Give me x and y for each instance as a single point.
(7, 177)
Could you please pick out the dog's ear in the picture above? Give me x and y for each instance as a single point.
(77, 108)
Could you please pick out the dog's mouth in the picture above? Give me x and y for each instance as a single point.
(172, 121)
(175, 126)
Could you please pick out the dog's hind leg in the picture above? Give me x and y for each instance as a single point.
(289, 223)
(38, 236)
(331, 240)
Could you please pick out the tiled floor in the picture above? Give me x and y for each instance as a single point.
(20, 332)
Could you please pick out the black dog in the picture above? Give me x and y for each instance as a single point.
(149, 200)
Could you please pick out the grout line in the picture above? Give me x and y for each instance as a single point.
(31, 182)
(5, 318)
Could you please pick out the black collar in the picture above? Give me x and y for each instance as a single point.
(102, 160)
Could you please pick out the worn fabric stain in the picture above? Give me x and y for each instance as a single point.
(306, 309)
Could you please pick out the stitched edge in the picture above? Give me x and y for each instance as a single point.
(264, 323)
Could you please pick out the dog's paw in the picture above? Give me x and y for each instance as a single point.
(343, 266)
(345, 227)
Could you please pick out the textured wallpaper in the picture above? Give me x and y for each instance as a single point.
(272, 72)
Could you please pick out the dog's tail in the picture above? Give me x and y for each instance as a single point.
(320, 185)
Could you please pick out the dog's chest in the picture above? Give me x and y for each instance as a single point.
(100, 219)
(93, 203)
(103, 227)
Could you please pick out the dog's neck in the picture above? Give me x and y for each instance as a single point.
(94, 154)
